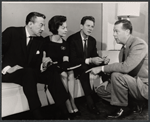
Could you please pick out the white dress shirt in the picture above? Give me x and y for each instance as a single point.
(87, 60)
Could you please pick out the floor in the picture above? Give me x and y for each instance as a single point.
(104, 108)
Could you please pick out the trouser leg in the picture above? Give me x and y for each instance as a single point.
(122, 86)
(85, 83)
(55, 86)
(117, 91)
(27, 78)
(29, 84)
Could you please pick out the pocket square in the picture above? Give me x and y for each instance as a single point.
(37, 52)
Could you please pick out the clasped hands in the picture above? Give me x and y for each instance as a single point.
(98, 61)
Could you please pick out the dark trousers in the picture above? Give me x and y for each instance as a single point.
(84, 79)
(28, 79)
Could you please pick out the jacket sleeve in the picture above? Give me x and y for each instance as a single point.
(94, 51)
(137, 53)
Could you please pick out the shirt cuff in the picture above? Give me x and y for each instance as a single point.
(102, 68)
(4, 71)
(87, 61)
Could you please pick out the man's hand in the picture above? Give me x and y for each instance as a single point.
(106, 60)
(96, 60)
(46, 61)
(95, 70)
(14, 68)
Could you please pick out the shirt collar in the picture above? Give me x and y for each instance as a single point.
(27, 33)
(82, 37)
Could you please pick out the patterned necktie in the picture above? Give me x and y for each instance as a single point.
(85, 48)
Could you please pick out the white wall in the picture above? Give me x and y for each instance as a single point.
(140, 25)
(14, 14)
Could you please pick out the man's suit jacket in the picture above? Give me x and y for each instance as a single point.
(14, 49)
(76, 48)
(135, 64)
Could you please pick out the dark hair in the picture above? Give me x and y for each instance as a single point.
(32, 16)
(126, 24)
(55, 22)
(87, 18)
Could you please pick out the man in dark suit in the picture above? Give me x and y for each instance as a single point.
(83, 51)
(129, 77)
(22, 59)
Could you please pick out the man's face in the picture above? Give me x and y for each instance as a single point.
(62, 30)
(120, 34)
(37, 27)
(88, 27)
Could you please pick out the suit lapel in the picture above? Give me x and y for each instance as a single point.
(79, 43)
(33, 50)
(128, 46)
(89, 45)
(121, 55)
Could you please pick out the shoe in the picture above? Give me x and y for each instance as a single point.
(117, 114)
(71, 116)
(78, 113)
(94, 110)
(37, 114)
(138, 109)
(65, 117)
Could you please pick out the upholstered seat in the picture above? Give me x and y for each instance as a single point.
(14, 101)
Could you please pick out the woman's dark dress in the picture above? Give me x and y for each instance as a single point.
(55, 51)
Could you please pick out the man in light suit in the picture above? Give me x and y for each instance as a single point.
(129, 77)
(83, 51)
(22, 59)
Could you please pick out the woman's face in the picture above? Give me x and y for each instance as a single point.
(62, 30)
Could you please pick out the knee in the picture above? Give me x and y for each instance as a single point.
(71, 76)
(64, 75)
(115, 76)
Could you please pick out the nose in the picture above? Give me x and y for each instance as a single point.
(66, 30)
(114, 34)
(42, 28)
(91, 28)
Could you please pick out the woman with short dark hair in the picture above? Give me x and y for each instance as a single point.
(57, 49)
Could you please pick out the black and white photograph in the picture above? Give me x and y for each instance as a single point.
(70, 60)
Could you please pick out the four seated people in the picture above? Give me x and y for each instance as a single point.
(28, 59)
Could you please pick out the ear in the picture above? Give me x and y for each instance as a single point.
(81, 26)
(30, 24)
(127, 31)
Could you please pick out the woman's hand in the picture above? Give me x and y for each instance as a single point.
(65, 65)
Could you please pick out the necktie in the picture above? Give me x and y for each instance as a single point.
(29, 44)
(123, 56)
(85, 48)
